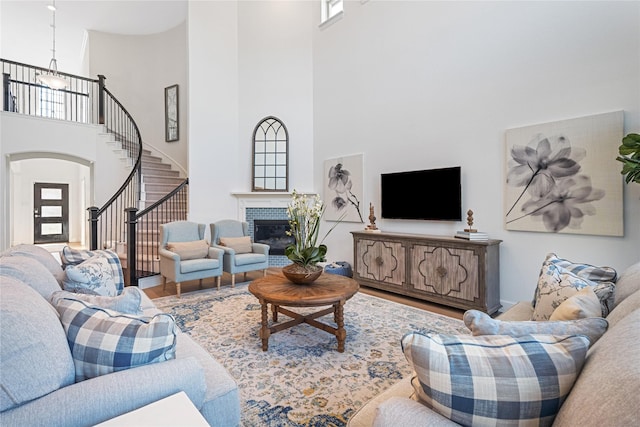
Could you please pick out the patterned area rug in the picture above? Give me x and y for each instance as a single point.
(302, 380)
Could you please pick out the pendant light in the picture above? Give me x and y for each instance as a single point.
(51, 78)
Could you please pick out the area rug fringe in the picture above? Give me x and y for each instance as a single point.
(302, 380)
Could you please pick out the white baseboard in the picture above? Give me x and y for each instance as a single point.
(149, 282)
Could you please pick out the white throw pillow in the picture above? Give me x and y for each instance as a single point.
(583, 304)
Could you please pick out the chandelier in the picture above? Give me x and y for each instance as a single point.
(51, 78)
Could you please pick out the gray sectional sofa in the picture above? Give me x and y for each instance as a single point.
(38, 385)
(606, 392)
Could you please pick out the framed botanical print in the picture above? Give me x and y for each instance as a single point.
(171, 113)
(563, 177)
(343, 188)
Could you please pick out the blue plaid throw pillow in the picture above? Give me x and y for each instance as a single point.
(70, 256)
(495, 380)
(104, 341)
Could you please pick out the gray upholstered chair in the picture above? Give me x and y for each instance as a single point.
(240, 254)
(185, 255)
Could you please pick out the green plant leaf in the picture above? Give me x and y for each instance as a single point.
(630, 157)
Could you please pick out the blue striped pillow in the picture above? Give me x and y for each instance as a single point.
(495, 380)
(104, 341)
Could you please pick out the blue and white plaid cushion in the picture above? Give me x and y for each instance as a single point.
(70, 256)
(104, 341)
(495, 380)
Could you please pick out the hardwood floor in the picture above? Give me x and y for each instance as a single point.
(157, 292)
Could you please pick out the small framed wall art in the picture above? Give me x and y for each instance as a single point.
(171, 131)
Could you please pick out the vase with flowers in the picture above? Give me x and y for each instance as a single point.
(306, 252)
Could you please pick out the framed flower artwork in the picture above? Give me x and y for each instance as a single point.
(343, 189)
(563, 177)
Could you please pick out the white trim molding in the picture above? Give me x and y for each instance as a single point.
(265, 199)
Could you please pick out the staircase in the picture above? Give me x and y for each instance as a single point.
(158, 180)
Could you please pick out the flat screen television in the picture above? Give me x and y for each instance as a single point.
(432, 194)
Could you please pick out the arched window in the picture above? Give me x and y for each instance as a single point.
(270, 156)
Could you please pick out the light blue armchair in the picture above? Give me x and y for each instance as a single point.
(240, 254)
(185, 255)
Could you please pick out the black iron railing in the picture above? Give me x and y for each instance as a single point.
(143, 237)
(22, 93)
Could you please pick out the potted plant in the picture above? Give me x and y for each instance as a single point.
(630, 157)
(304, 222)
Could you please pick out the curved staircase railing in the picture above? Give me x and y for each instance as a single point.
(108, 223)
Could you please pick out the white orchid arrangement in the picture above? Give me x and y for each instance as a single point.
(304, 221)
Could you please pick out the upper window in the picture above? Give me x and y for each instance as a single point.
(270, 156)
(329, 9)
(51, 103)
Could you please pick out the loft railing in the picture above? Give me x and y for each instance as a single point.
(22, 93)
(143, 237)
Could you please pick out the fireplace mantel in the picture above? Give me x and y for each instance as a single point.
(263, 199)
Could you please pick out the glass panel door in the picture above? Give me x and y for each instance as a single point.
(50, 213)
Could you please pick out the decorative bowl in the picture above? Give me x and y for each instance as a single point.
(301, 275)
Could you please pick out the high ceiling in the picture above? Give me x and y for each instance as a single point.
(26, 34)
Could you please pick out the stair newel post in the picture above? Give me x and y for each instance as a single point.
(101, 80)
(131, 245)
(6, 93)
(93, 226)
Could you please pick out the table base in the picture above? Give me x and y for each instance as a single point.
(338, 316)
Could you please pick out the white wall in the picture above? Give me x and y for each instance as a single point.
(138, 68)
(213, 110)
(247, 60)
(36, 149)
(24, 137)
(418, 85)
(276, 79)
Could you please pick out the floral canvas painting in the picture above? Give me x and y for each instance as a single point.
(343, 189)
(563, 177)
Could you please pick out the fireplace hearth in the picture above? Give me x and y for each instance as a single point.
(272, 232)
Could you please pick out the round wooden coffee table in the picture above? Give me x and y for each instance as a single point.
(328, 289)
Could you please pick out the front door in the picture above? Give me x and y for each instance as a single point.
(50, 213)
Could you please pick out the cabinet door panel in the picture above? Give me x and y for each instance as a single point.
(381, 261)
(444, 271)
